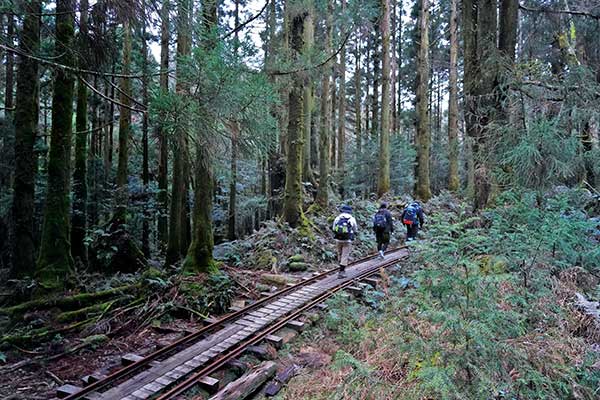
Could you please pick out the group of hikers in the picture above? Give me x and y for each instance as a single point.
(345, 229)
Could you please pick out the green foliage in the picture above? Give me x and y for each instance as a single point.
(213, 295)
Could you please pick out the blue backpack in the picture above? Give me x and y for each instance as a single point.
(411, 216)
(379, 221)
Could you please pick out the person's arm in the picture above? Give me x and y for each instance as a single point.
(390, 219)
(335, 222)
(421, 217)
(402, 216)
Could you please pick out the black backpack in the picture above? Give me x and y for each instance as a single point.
(379, 221)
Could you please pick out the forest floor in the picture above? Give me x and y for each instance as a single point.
(486, 310)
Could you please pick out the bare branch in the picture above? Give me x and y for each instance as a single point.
(551, 11)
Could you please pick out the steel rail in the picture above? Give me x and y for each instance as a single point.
(138, 365)
(241, 347)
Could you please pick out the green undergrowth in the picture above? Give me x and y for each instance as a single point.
(484, 311)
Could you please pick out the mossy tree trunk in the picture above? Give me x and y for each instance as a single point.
(357, 99)
(163, 143)
(80, 185)
(323, 190)
(423, 138)
(292, 200)
(376, 56)
(122, 193)
(26, 118)
(55, 263)
(398, 127)
(383, 182)
(453, 179)
(233, 183)
(199, 258)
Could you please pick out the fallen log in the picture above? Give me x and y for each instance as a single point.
(248, 383)
(281, 380)
(67, 303)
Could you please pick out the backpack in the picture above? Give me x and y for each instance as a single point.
(342, 230)
(379, 221)
(411, 215)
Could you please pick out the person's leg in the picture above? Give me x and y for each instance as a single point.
(344, 259)
(407, 233)
(385, 241)
(338, 246)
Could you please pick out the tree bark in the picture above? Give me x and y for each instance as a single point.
(357, 100)
(453, 179)
(323, 191)
(245, 386)
(399, 76)
(80, 184)
(383, 183)
(26, 119)
(55, 264)
(292, 199)
(423, 139)
(163, 142)
(376, 71)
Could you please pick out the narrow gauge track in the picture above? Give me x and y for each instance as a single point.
(252, 327)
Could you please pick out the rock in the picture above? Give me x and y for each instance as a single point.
(298, 266)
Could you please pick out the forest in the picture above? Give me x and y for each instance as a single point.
(165, 161)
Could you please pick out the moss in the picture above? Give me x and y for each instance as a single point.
(298, 266)
(94, 309)
(296, 258)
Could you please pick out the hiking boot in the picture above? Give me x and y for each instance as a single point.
(342, 273)
(381, 255)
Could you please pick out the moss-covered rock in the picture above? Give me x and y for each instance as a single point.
(296, 258)
(298, 266)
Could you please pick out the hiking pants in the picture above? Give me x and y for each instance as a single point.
(383, 240)
(343, 250)
(411, 232)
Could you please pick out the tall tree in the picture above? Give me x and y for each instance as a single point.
(9, 89)
(309, 33)
(357, 98)
(122, 193)
(376, 57)
(423, 138)
(292, 200)
(325, 124)
(163, 142)
(453, 179)
(145, 155)
(178, 188)
(26, 119)
(341, 140)
(383, 182)
(80, 185)
(200, 253)
(55, 264)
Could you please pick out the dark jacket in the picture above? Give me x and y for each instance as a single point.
(389, 221)
(420, 216)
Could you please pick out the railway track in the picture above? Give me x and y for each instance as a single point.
(175, 369)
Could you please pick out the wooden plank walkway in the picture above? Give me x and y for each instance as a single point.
(174, 368)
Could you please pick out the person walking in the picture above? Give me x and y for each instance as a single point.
(383, 226)
(344, 230)
(413, 218)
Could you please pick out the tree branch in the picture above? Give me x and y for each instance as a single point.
(110, 99)
(243, 25)
(569, 12)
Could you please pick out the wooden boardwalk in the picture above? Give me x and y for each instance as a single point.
(176, 367)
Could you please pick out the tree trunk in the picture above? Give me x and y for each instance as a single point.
(163, 142)
(55, 264)
(292, 200)
(175, 246)
(341, 141)
(399, 62)
(309, 33)
(375, 98)
(453, 179)
(122, 193)
(323, 191)
(357, 100)
(232, 187)
(8, 91)
(423, 139)
(80, 185)
(332, 119)
(145, 162)
(26, 118)
(199, 257)
(383, 183)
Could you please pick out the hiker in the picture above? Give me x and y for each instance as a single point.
(413, 218)
(383, 226)
(344, 228)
